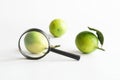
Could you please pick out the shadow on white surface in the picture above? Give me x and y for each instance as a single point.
(8, 56)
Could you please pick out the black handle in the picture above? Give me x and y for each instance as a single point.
(77, 57)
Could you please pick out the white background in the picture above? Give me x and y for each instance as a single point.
(16, 16)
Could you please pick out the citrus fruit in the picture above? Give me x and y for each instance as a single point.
(35, 42)
(86, 42)
(57, 27)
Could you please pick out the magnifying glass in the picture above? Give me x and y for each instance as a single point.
(39, 47)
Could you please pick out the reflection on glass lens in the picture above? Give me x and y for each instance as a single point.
(34, 44)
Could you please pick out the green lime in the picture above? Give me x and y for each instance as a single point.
(57, 27)
(86, 42)
(35, 42)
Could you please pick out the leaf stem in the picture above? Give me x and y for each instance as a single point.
(101, 49)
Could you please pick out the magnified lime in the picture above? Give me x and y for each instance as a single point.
(57, 27)
(86, 42)
(35, 42)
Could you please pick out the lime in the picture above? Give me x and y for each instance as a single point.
(86, 42)
(35, 42)
(57, 27)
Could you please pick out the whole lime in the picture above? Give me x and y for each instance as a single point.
(35, 42)
(57, 27)
(86, 42)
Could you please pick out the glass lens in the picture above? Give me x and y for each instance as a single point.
(34, 44)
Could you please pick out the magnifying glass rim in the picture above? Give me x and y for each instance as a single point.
(38, 30)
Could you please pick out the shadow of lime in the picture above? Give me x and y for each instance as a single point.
(77, 52)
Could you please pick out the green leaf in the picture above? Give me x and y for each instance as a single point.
(99, 35)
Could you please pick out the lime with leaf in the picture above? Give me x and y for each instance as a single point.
(87, 41)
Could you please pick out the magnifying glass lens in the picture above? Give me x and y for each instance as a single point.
(34, 44)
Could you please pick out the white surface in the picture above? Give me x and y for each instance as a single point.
(16, 16)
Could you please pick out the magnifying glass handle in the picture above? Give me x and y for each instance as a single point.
(77, 57)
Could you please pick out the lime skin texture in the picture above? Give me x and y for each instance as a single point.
(57, 27)
(86, 42)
